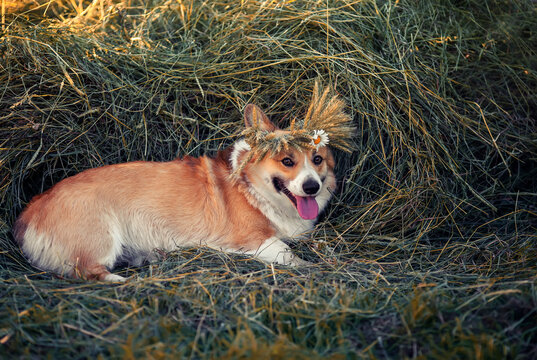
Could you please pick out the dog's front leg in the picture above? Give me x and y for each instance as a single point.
(274, 250)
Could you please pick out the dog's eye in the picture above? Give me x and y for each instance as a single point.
(317, 159)
(288, 162)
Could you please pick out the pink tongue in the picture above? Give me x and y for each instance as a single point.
(307, 207)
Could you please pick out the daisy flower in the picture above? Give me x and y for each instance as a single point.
(319, 138)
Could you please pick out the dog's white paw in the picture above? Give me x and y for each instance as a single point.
(114, 278)
(274, 250)
(298, 262)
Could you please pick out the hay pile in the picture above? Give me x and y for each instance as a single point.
(429, 248)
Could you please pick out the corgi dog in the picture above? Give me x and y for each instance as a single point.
(87, 223)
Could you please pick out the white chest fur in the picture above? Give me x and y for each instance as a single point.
(284, 218)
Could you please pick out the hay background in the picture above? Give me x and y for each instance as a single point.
(429, 248)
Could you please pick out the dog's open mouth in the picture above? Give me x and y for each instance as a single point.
(306, 206)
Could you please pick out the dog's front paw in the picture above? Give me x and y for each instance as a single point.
(288, 258)
(298, 262)
(273, 250)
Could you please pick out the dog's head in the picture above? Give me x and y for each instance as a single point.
(293, 178)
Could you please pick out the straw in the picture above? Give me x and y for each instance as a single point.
(426, 250)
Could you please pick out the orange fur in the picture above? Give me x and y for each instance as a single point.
(181, 193)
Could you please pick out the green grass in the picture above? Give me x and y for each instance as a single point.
(427, 251)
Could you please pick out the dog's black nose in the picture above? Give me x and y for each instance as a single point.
(310, 187)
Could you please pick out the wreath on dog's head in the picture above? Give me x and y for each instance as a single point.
(325, 123)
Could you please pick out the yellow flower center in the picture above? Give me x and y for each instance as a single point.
(317, 140)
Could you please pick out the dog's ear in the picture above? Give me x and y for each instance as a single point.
(254, 116)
